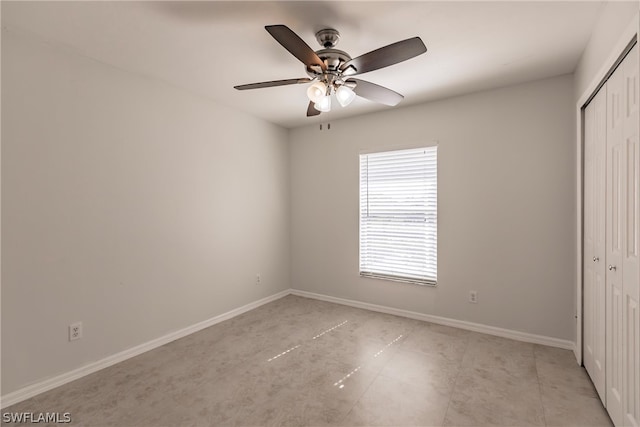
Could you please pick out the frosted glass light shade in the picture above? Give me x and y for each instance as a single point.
(317, 91)
(345, 95)
(324, 104)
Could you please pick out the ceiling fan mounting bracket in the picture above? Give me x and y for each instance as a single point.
(328, 37)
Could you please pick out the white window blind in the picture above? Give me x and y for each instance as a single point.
(398, 215)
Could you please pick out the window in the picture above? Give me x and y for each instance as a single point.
(398, 215)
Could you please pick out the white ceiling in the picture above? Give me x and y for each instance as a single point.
(208, 47)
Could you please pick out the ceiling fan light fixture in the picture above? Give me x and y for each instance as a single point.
(329, 69)
(324, 104)
(345, 95)
(316, 92)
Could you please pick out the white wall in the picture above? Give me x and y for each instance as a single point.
(506, 206)
(127, 204)
(614, 18)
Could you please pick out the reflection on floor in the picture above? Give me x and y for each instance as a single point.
(299, 362)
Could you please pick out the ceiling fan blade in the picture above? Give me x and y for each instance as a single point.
(311, 111)
(377, 93)
(384, 56)
(295, 45)
(273, 83)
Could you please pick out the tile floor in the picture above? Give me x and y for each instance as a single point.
(301, 362)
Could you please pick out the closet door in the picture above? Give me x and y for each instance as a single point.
(630, 256)
(594, 240)
(615, 239)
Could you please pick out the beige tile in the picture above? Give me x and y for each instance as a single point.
(570, 378)
(489, 396)
(555, 356)
(122, 391)
(512, 358)
(423, 370)
(564, 408)
(354, 349)
(456, 332)
(390, 402)
(499, 344)
(235, 397)
(326, 397)
(385, 327)
(322, 395)
(427, 339)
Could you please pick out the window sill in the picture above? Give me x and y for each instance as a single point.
(413, 281)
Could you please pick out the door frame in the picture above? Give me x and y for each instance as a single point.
(621, 48)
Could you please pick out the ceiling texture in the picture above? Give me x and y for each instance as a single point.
(208, 47)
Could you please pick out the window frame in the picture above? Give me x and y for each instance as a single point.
(363, 272)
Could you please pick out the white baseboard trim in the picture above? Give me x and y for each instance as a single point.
(470, 326)
(50, 383)
(577, 354)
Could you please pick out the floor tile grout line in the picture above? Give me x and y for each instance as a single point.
(375, 377)
(304, 341)
(455, 382)
(535, 364)
(377, 374)
(360, 397)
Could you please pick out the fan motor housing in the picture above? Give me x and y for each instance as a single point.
(333, 59)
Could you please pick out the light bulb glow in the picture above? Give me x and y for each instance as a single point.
(345, 95)
(324, 104)
(317, 91)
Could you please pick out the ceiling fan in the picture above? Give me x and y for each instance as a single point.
(331, 69)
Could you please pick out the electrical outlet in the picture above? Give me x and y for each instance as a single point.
(473, 297)
(258, 279)
(75, 331)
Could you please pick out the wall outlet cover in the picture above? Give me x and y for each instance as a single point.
(75, 331)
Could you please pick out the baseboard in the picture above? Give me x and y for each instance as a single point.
(470, 326)
(50, 383)
(577, 354)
